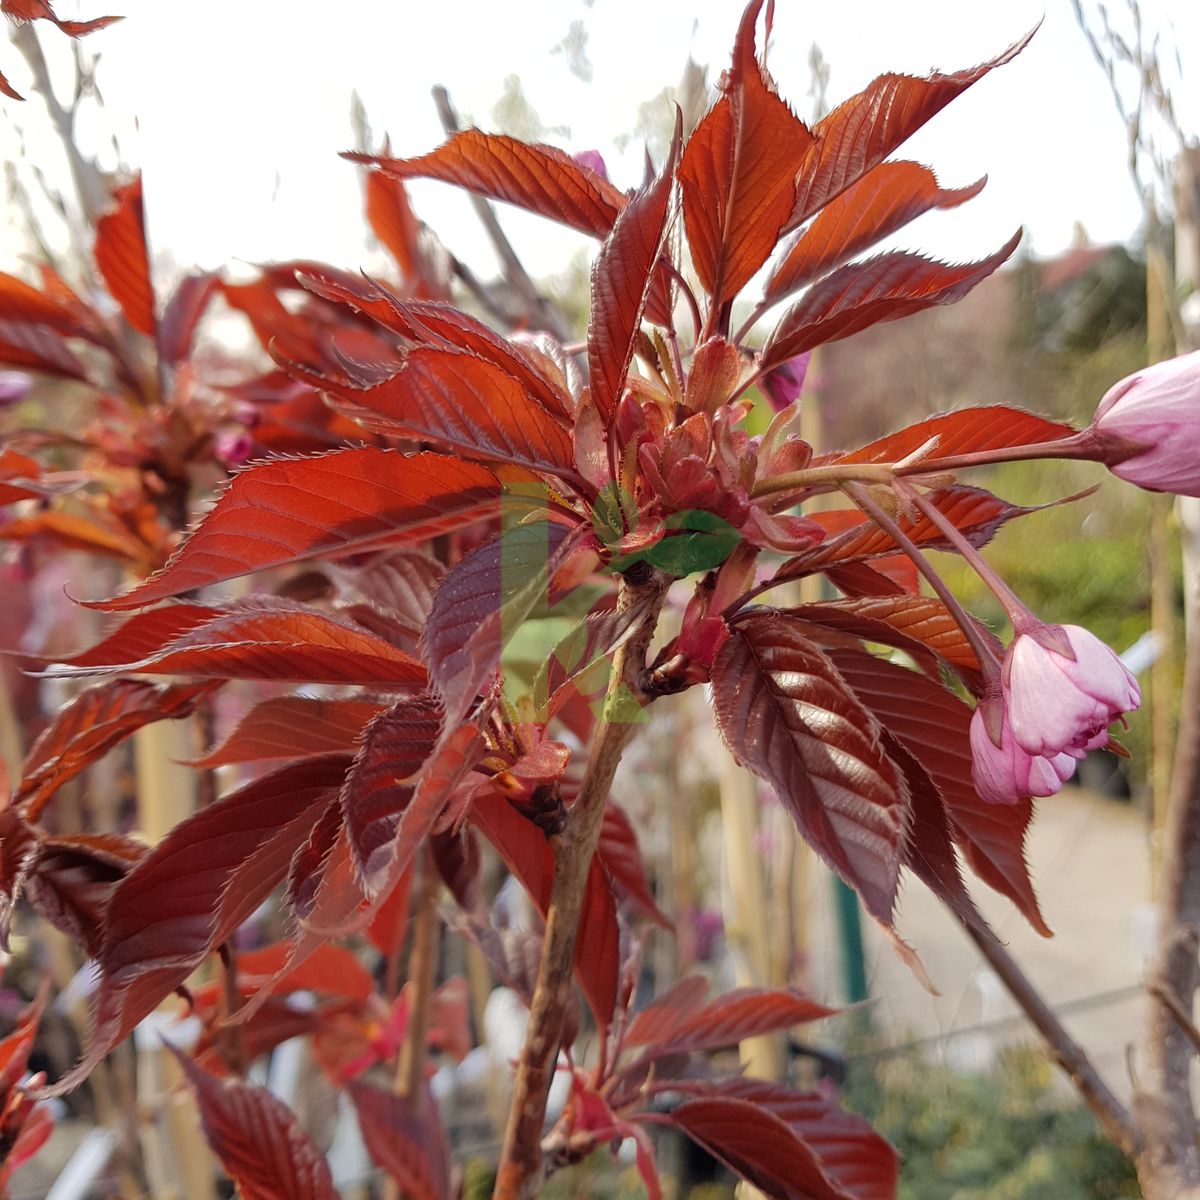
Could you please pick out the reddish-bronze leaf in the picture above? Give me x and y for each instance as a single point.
(738, 173)
(16, 1047)
(529, 856)
(884, 288)
(442, 327)
(89, 727)
(934, 725)
(20, 848)
(21, 303)
(395, 747)
(194, 888)
(75, 877)
(331, 970)
(284, 642)
(787, 714)
(142, 635)
(967, 431)
(405, 1137)
(743, 1013)
(658, 1020)
(862, 131)
(177, 329)
(292, 727)
(395, 224)
(258, 1140)
(852, 1159)
(881, 202)
(540, 178)
(482, 602)
(621, 279)
(328, 505)
(467, 405)
(121, 257)
(910, 623)
(975, 513)
(619, 853)
(70, 531)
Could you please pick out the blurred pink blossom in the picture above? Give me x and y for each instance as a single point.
(783, 385)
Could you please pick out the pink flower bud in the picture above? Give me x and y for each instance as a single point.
(1062, 689)
(1157, 409)
(594, 161)
(1005, 774)
(14, 387)
(783, 385)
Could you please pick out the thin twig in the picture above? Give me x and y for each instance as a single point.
(1114, 1118)
(519, 1176)
(1174, 1006)
(539, 309)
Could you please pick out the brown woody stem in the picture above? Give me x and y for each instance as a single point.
(1165, 1090)
(519, 1176)
(422, 971)
(1114, 1119)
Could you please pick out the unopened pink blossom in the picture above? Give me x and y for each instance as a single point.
(783, 385)
(1157, 408)
(1057, 703)
(1005, 774)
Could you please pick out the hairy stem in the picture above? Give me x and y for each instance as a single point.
(987, 657)
(1114, 1119)
(1080, 445)
(422, 972)
(520, 1170)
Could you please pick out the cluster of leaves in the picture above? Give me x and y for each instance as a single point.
(441, 484)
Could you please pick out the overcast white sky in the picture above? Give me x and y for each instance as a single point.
(242, 106)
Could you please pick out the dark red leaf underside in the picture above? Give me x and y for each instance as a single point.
(405, 1137)
(542, 179)
(884, 288)
(862, 131)
(725, 1021)
(38, 347)
(292, 727)
(619, 853)
(194, 888)
(386, 771)
(89, 727)
(401, 584)
(529, 856)
(20, 849)
(329, 505)
(258, 1140)
(621, 279)
(481, 603)
(121, 257)
(786, 714)
(967, 431)
(934, 725)
(177, 328)
(852, 1156)
(21, 303)
(884, 200)
(738, 173)
(75, 878)
(464, 404)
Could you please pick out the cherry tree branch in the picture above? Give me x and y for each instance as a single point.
(1114, 1118)
(520, 1172)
